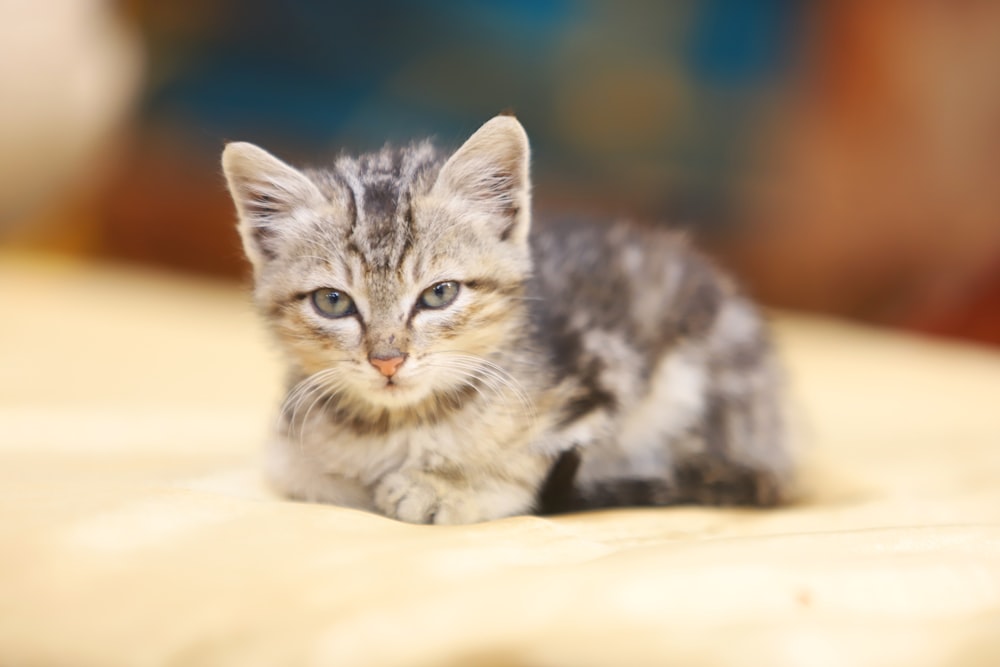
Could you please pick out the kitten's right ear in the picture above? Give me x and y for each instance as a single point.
(491, 173)
(266, 192)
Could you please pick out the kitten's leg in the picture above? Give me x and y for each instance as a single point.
(740, 452)
(737, 451)
(297, 476)
(454, 493)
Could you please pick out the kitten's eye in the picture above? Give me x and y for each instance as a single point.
(332, 303)
(440, 295)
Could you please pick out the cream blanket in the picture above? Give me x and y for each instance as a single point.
(134, 529)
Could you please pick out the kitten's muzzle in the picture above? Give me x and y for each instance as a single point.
(387, 364)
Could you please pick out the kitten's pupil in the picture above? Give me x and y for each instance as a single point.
(332, 303)
(439, 295)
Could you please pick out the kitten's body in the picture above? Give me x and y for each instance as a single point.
(596, 365)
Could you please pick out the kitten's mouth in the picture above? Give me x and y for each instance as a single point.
(398, 393)
(395, 391)
(394, 386)
(394, 394)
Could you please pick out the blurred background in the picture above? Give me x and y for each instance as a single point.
(841, 156)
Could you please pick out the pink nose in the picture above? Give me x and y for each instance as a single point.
(387, 367)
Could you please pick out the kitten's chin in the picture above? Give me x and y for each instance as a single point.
(394, 395)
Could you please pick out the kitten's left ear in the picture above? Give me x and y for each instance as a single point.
(491, 172)
(266, 192)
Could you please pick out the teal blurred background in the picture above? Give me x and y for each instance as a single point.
(649, 103)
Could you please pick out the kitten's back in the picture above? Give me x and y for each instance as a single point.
(676, 383)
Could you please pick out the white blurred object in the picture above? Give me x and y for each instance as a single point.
(69, 73)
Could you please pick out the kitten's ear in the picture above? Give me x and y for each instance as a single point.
(491, 171)
(266, 192)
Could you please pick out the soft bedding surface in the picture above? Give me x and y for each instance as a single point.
(135, 529)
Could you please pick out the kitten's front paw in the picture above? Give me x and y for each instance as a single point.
(419, 497)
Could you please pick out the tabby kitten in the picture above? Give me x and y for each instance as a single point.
(447, 367)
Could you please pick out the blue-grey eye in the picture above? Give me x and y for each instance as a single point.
(440, 295)
(332, 303)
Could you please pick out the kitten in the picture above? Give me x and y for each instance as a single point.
(447, 367)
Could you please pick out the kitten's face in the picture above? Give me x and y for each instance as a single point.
(449, 301)
(391, 278)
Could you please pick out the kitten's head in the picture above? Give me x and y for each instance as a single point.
(394, 274)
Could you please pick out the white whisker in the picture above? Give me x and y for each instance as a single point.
(312, 388)
(478, 370)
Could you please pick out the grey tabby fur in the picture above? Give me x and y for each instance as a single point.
(588, 366)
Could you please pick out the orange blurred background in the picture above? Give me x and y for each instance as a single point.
(841, 156)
